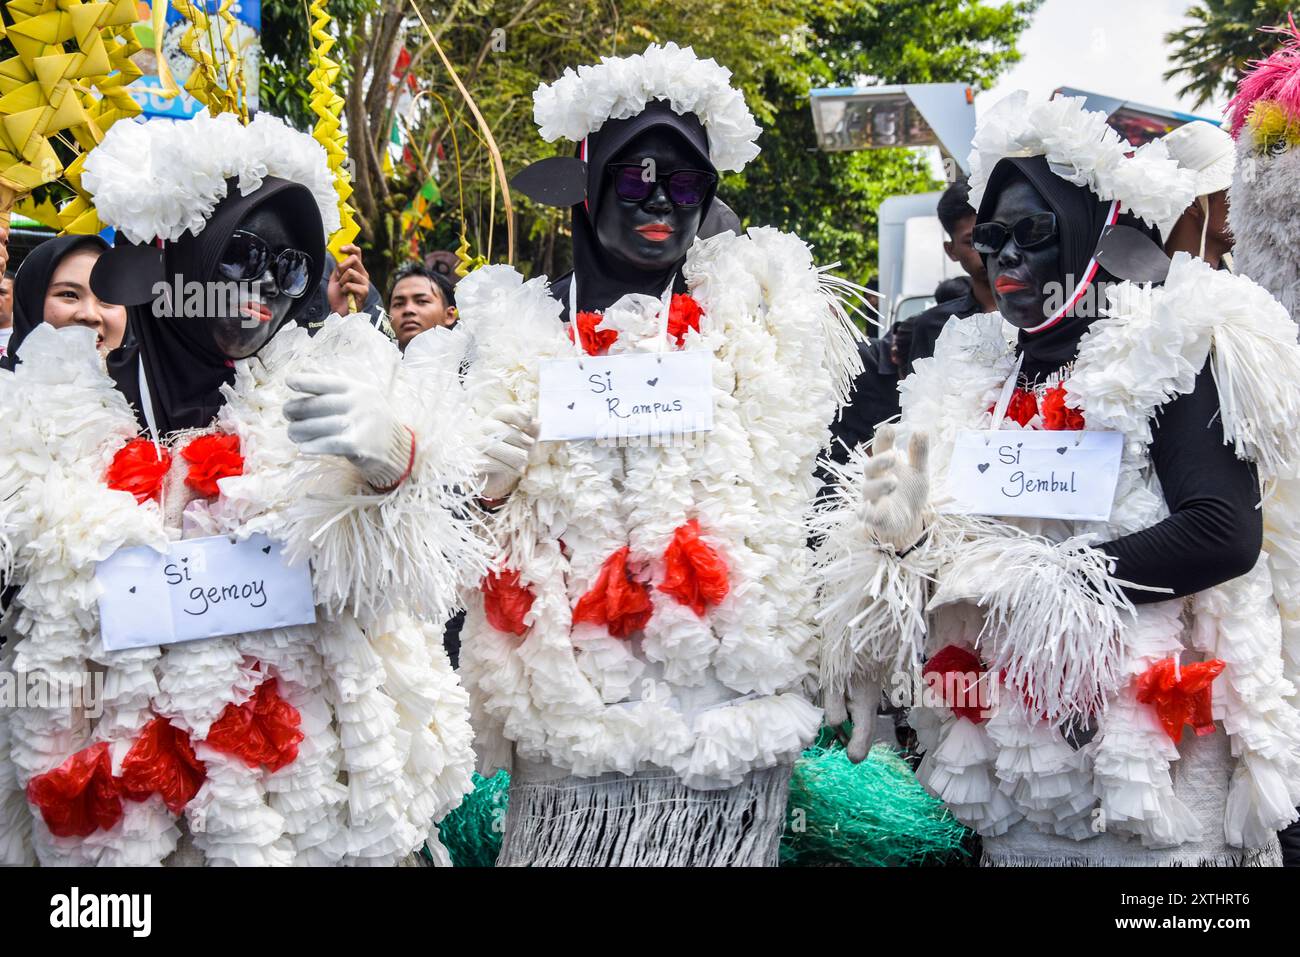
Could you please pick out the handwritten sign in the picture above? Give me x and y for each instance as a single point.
(200, 588)
(627, 396)
(1068, 475)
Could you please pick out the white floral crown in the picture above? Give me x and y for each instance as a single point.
(579, 102)
(156, 180)
(1082, 149)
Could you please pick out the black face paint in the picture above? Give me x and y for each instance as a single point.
(653, 233)
(261, 306)
(1023, 279)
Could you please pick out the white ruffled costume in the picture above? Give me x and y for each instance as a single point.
(386, 750)
(1034, 600)
(702, 702)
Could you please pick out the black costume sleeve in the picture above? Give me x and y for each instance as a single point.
(1215, 530)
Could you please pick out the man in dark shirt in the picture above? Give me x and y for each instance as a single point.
(958, 219)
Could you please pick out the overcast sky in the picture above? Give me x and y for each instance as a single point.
(1115, 47)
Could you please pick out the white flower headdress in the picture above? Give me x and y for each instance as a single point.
(156, 180)
(1082, 149)
(579, 102)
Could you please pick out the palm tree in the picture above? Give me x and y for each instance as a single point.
(1223, 37)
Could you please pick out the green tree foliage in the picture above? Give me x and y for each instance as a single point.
(1214, 49)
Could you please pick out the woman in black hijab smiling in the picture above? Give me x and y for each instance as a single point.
(53, 285)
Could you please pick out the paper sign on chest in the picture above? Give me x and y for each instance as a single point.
(200, 588)
(625, 396)
(1032, 474)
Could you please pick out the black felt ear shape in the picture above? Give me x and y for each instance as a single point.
(1130, 254)
(555, 181)
(128, 275)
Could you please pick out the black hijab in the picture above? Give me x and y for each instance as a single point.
(1080, 216)
(603, 280)
(183, 366)
(33, 281)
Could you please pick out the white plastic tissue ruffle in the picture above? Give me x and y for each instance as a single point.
(1154, 341)
(581, 100)
(960, 769)
(1238, 623)
(160, 180)
(580, 701)
(1083, 149)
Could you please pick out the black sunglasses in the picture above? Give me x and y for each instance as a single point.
(247, 257)
(685, 187)
(1029, 233)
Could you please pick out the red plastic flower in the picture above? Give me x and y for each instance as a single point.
(80, 796)
(262, 730)
(695, 574)
(616, 600)
(212, 457)
(957, 672)
(1022, 407)
(1057, 416)
(594, 342)
(506, 602)
(1180, 695)
(683, 314)
(162, 761)
(139, 467)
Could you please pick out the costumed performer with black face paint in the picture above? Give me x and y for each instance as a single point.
(341, 741)
(1077, 627)
(641, 655)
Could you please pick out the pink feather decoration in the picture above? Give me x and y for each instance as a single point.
(1275, 78)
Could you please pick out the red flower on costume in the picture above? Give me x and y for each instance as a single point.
(262, 730)
(595, 342)
(957, 672)
(506, 602)
(1022, 407)
(212, 457)
(139, 467)
(1180, 695)
(80, 796)
(616, 600)
(162, 761)
(695, 574)
(683, 314)
(1057, 416)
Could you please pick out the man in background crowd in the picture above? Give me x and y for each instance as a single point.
(345, 288)
(958, 219)
(421, 298)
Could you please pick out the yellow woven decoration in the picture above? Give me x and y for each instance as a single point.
(67, 82)
(328, 107)
(217, 80)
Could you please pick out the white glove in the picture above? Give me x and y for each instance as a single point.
(859, 705)
(895, 492)
(353, 419)
(515, 433)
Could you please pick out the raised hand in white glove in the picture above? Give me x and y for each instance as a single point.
(342, 416)
(858, 704)
(896, 490)
(515, 432)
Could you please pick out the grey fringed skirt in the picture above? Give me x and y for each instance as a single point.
(649, 819)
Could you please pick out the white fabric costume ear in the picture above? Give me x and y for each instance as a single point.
(579, 102)
(1082, 149)
(159, 179)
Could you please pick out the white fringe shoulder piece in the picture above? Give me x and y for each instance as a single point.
(1154, 341)
(160, 179)
(710, 692)
(581, 100)
(1081, 148)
